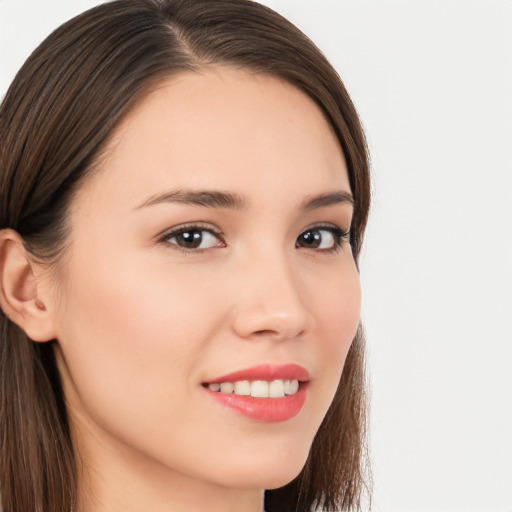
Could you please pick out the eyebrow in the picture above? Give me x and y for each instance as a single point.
(206, 198)
(327, 199)
(229, 200)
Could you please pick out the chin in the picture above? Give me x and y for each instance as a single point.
(272, 473)
(281, 480)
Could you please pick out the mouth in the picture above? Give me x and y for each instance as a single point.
(257, 388)
(267, 393)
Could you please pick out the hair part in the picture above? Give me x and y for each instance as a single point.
(54, 124)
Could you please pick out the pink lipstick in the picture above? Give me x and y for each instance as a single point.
(267, 393)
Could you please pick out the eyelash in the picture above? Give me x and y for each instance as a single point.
(340, 237)
(189, 228)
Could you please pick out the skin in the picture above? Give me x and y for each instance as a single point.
(141, 323)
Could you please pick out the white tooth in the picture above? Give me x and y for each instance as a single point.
(276, 389)
(287, 387)
(226, 387)
(293, 388)
(214, 387)
(259, 388)
(242, 387)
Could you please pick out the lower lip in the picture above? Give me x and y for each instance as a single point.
(269, 410)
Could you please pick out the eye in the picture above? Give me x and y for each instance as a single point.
(325, 238)
(193, 238)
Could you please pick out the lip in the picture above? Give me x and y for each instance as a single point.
(268, 410)
(265, 372)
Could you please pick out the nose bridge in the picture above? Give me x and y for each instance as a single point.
(270, 299)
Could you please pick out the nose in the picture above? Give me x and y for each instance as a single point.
(271, 300)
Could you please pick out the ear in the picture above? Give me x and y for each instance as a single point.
(21, 296)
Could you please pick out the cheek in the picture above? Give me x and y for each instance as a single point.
(337, 315)
(131, 336)
(337, 305)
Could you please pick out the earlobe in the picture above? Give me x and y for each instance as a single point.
(20, 295)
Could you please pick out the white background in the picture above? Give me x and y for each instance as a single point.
(433, 83)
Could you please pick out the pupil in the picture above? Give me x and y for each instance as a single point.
(312, 239)
(190, 239)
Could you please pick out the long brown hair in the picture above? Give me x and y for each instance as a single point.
(54, 121)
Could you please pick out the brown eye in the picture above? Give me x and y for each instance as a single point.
(320, 238)
(194, 239)
(189, 239)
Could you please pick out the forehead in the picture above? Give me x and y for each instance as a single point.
(223, 127)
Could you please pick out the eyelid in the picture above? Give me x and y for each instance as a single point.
(338, 231)
(164, 237)
(324, 225)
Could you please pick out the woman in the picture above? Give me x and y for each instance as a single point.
(184, 191)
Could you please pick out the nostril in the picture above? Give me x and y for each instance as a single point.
(280, 334)
(264, 332)
(271, 317)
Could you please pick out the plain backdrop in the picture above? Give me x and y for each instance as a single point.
(432, 81)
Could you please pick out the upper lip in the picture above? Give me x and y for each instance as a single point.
(267, 372)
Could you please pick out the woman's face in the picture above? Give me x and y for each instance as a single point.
(210, 241)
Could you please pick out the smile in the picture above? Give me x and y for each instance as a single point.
(258, 388)
(266, 393)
